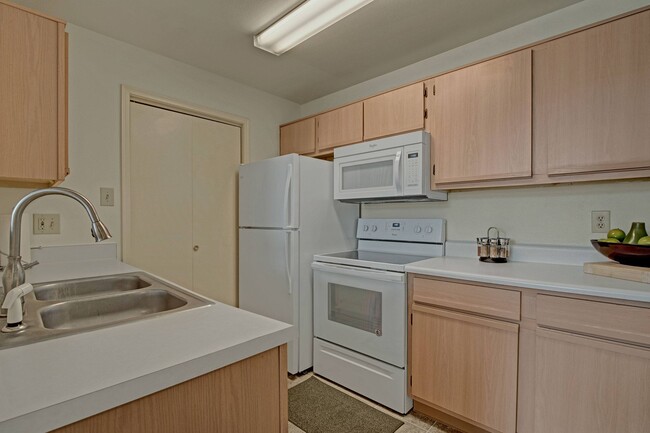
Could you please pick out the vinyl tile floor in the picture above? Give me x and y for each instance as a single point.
(413, 423)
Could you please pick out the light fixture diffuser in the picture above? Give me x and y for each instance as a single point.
(303, 22)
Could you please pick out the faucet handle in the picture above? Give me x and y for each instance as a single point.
(14, 307)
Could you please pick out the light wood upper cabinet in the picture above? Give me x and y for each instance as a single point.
(33, 105)
(466, 366)
(339, 127)
(481, 121)
(298, 137)
(583, 385)
(394, 112)
(592, 98)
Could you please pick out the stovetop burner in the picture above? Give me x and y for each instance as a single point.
(390, 244)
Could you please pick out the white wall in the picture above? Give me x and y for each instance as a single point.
(98, 67)
(533, 215)
(556, 215)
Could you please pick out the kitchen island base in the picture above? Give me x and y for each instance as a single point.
(249, 396)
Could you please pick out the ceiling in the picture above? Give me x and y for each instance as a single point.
(217, 35)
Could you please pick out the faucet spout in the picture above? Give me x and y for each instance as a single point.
(14, 274)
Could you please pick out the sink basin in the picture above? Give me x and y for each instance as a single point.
(72, 306)
(91, 312)
(88, 287)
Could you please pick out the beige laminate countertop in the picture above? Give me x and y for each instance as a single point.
(540, 276)
(52, 383)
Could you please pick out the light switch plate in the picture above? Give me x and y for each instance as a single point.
(47, 224)
(107, 197)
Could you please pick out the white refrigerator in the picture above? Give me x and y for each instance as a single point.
(287, 214)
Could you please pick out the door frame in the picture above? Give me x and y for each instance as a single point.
(129, 95)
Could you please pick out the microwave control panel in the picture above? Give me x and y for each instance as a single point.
(413, 164)
(415, 157)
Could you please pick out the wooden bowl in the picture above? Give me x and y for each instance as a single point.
(627, 254)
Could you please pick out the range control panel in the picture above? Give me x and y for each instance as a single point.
(404, 230)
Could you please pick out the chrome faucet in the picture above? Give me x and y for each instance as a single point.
(14, 273)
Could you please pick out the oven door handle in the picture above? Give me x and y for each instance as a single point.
(374, 274)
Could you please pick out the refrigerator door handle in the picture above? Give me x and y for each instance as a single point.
(287, 196)
(287, 258)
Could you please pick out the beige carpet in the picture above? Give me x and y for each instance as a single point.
(318, 408)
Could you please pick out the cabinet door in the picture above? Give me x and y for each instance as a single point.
(584, 385)
(592, 98)
(482, 121)
(298, 137)
(401, 110)
(33, 105)
(340, 127)
(466, 366)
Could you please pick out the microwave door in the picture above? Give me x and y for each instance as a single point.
(371, 175)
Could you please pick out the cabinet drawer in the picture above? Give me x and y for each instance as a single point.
(619, 322)
(476, 299)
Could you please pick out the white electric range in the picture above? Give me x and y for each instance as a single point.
(360, 307)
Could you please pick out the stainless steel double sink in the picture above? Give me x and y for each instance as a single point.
(72, 306)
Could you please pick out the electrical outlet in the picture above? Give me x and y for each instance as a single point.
(599, 221)
(106, 197)
(47, 224)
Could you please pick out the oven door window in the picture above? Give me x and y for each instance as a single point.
(358, 308)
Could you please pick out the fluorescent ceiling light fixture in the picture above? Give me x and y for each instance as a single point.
(303, 22)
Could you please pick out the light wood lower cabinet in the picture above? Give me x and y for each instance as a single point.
(583, 385)
(567, 364)
(249, 396)
(466, 366)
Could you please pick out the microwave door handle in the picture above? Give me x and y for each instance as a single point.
(396, 171)
(287, 196)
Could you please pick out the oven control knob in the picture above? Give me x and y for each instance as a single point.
(365, 228)
(429, 229)
(418, 229)
(374, 228)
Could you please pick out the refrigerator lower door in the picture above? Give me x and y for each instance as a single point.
(269, 279)
(269, 193)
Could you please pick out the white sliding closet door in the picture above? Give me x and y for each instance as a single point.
(182, 206)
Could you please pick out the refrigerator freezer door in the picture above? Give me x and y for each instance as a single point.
(269, 193)
(269, 279)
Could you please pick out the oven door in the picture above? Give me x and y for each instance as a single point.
(369, 175)
(361, 309)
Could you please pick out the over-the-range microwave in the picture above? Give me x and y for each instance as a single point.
(391, 169)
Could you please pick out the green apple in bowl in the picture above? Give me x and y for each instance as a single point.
(617, 234)
(644, 241)
(610, 240)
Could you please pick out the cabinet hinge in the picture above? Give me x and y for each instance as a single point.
(411, 380)
(426, 113)
(425, 91)
(434, 90)
(411, 318)
(433, 169)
